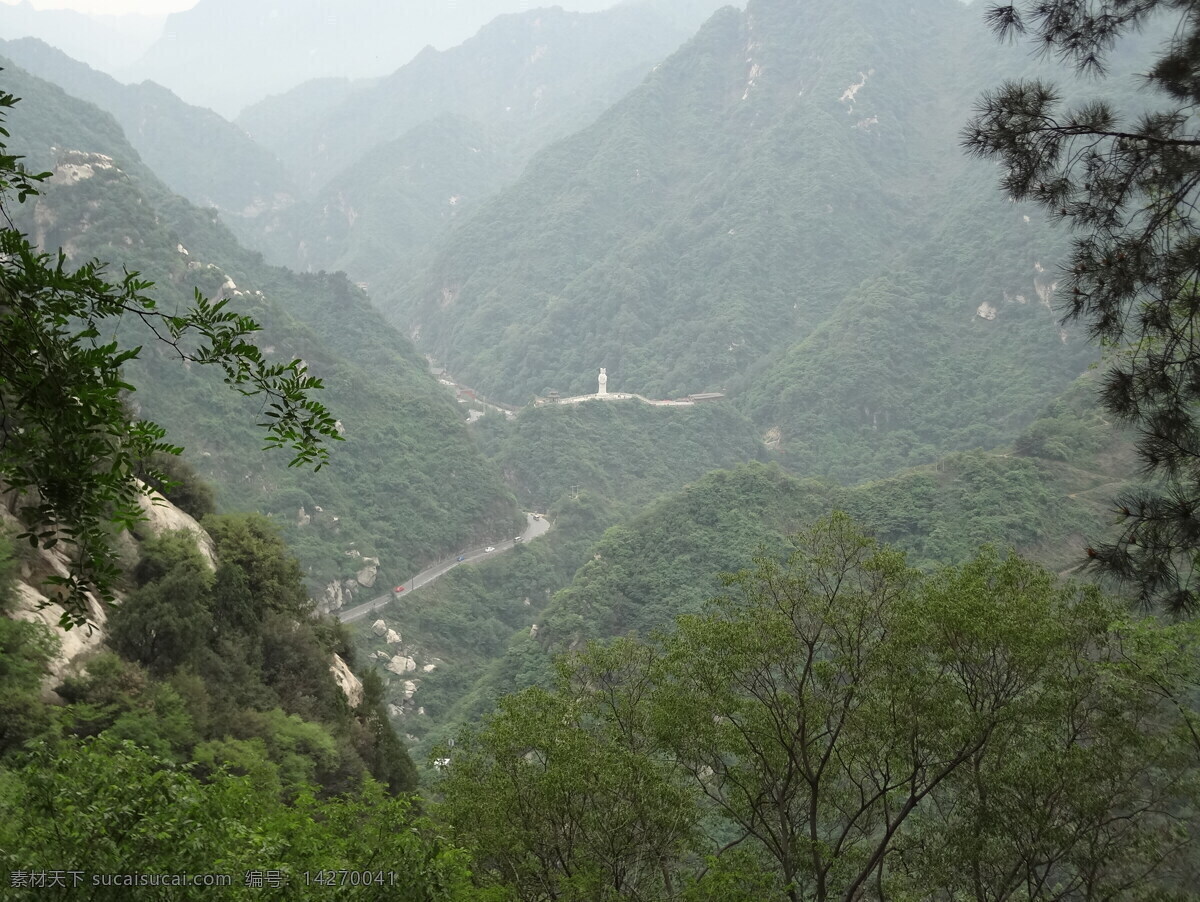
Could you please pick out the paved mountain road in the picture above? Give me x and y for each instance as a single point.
(534, 528)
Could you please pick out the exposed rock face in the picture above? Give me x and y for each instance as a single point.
(77, 166)
(366, 576)
(162, 516)
(334, 597)
(350, 685)
(379, 628)
(73, 645)
(986, 311)
(401, 664)
(33, 604)
(392, 637)
(410, 689)
(302, 517)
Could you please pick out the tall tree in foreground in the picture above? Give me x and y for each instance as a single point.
(1129, 188)
(838, 727)
(70, 454)
(564, 795)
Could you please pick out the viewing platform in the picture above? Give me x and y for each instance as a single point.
(603, 394)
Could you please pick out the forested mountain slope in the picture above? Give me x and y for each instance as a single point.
(791, 175)
(193, 150)
(630, 485)
(209, 706)
(380, 213)
(407, 485)
(1048, 496)
(588, 467)
(625, 453)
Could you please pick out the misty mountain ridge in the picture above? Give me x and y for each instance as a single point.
(249, 49)
(392, 162)
(107, 42)
(518, 69)
(200, 155)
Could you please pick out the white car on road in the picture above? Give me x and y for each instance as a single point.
(490, 548)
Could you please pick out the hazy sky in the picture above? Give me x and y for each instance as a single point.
(115, 7)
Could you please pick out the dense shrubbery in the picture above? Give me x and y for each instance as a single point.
(914, 722)
(225, 668)
(242, 647)
(646, 571)
(107, 806)
(212, 739)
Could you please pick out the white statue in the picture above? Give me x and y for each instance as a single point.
(603, 382)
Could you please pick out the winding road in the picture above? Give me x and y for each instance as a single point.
(535, 527)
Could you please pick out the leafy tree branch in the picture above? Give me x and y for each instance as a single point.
(70, 453)
(1131, 196)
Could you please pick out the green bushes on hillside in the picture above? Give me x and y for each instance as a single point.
(105, 806)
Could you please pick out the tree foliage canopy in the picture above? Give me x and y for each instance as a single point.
(838, 727)
(69, 451)
(1129, 187)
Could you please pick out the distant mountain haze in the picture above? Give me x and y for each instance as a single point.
(110, 7)
(107, 42)
(517, 68)
(198, 154)
(227, 54)
(393, 161)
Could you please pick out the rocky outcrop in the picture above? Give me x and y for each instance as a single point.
(367, 575)
(74, 645)
(162, 516)
(379, 628)
(401, 664)
(986, 311)
(76, 166)
(350, 685)
(33, 604)
(334, 598)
